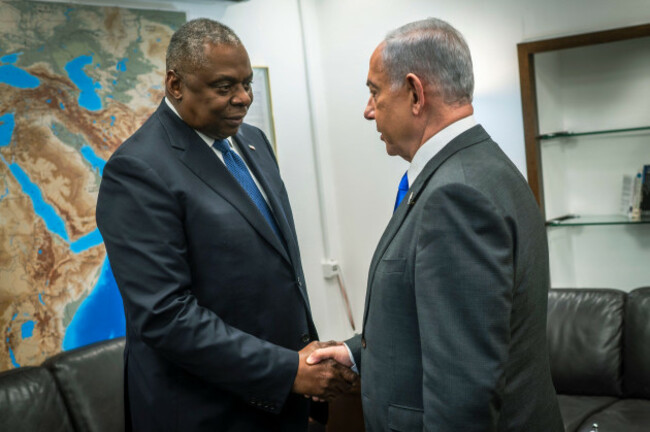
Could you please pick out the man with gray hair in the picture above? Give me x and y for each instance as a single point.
(454, 335)
(200, 236)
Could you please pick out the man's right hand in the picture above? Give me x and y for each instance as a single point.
(324, 380)
(337, 352)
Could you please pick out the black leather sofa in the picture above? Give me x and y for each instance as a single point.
(599, 342)
(75, 391)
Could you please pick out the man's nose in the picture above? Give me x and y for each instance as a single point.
(242, 96)
(369, 112)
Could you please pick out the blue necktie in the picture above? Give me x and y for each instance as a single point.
(238, 169)
(401, 190)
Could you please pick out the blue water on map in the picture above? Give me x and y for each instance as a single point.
(15, 76)
(87, 98)
(92, 158)
(27, 329)
(91, 239)
(7, 124)
(11, 353)
(10, 58)
(52, 220)
(100, 316)
(12, 356)
(121, 65)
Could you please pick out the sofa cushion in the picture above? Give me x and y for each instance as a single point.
(627, 415)
(91, 381)
(576, 409)
(30, 401)
(637, 344)
(585, 338)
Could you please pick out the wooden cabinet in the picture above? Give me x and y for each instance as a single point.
(586, 108)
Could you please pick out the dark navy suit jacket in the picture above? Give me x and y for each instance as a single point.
(215, 302)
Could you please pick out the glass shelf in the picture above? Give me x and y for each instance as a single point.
(585, 220)
(567, 134)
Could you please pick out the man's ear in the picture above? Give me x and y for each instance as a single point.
(173, 85)
(416, 90)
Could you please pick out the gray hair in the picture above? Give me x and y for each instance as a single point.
(186, 48)
(434, 51)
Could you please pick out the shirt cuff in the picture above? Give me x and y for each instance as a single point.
(354, 364)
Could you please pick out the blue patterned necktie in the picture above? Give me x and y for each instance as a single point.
(401, 190)
(238, 169)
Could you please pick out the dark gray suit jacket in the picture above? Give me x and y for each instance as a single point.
(215, 302)
(454, 332)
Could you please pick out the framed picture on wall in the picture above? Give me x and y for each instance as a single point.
(260, 113)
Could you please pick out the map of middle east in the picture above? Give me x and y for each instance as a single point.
(75, 82)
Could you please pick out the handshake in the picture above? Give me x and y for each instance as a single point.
(324, 371)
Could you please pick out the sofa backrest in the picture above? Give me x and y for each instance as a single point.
(30, 401)
(91, 381)
(585, 338)
(637, 344)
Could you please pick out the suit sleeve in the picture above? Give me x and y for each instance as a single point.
(463, 285)
(141, 223)
(354, 345)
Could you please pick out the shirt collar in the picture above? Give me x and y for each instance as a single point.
(209, 141)
(430, 148)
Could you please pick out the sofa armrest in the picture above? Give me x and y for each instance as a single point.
(637, 344)
(91, 380)
(585, 338)
(30, 401)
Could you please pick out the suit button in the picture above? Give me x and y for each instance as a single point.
(363, 342)
(305, 338)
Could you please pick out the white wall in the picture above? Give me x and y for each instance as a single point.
(271, 32)
(342, 35)
(359, 180)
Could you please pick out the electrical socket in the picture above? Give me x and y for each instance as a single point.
(330, 268)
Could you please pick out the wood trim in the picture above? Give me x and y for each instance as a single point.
(531, 125)
(526, 54)
(585, 39)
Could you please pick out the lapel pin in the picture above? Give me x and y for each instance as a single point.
(411, 201)
(252, 147)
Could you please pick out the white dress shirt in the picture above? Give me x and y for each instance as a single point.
(430, 148)
(209, 141)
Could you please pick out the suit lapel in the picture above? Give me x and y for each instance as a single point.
(470, 137)
(255, 164)
(261, 174)
(202, 161)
